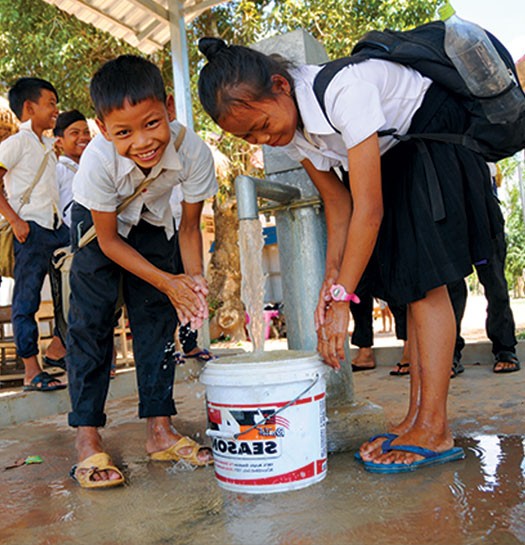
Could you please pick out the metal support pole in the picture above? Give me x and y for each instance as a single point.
(180, 63)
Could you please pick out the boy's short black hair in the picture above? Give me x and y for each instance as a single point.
(126, 77)
(27, 89)
(65, 119)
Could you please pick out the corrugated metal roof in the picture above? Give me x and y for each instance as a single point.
(142, 23)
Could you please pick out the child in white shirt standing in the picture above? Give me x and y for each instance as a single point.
(37, 226)
(73, 135)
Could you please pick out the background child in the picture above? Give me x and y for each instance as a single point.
(135, 246)
(72, 136)
(37, 225)
(415, 248)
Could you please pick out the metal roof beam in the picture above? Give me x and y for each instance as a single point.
(115, 22)
(196, 9)
(154, 9)
(150, 29)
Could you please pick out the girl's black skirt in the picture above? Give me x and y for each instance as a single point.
(440, 214)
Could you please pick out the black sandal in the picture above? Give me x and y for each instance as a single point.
(400, 372)
(457, 368)
(43, 383)
(506, 357)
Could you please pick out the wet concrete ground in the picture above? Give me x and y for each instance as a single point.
(478, 500)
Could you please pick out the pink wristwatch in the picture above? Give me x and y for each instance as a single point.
(338, 293)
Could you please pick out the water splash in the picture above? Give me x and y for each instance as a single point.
(251, 243)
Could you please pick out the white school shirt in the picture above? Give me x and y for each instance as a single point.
(360, 100)
(21, 155)
(105, 178)
(66, 170)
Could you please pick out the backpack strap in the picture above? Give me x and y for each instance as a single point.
(91, 233)
(180, 137)
(27, 193)
(326, 75)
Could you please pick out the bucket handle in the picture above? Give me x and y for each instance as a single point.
(224, 435)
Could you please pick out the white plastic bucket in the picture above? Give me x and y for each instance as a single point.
(267, 420)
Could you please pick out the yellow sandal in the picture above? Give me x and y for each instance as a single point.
(173, 454)
(83, 471)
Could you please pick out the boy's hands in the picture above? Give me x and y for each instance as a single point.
(21, 230)
(202, 285)
(188, 295)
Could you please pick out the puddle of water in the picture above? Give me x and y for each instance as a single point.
(475, 501)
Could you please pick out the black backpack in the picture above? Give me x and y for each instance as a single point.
(422, 49)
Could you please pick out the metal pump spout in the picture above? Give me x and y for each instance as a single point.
(248, 188)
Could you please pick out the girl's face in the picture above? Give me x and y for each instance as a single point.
(270, 121)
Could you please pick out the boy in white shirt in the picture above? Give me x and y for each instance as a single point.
(72, 136)
(140, 141)
(37, 226)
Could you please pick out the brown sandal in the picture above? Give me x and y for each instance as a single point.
(173, 454)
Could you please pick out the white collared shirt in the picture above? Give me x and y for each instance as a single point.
(105, 179)
(360, 100)
(66, 170)
(21, 155)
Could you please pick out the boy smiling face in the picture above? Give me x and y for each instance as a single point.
(140, 132)
(43, 112)
(74, 140)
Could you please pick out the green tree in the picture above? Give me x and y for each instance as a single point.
(514, 228)
(37, 39)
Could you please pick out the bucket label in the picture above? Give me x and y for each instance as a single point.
(247, 432)
(239, 449)
(260, 448)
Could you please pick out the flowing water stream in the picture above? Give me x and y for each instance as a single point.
(251, 243)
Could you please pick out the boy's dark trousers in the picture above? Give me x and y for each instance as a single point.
(500, 324)
(32, 259)
(95, 281)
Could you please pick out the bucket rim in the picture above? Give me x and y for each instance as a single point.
(242, 373)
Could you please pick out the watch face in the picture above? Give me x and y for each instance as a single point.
(337, 292)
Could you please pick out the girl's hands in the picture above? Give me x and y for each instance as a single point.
(324, 297)
(332, 334)
(188, 295)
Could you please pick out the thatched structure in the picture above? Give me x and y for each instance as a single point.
(8, 121)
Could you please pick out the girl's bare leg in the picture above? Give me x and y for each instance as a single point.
(372, 449)
(433, 321)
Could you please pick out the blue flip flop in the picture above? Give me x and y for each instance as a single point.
(430, 458)
(387, 436)
(203, 356)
